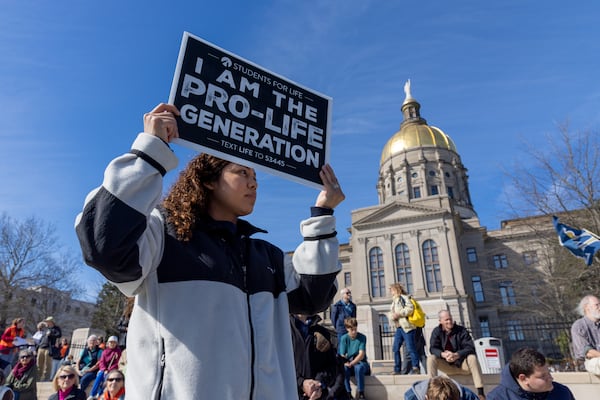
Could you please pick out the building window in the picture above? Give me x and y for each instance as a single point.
(530, 257)
(385, 324)
(477, 289)
(403, 269)
(471, 254)
(414, 174)
(434, 190)
(432, 266)
(500, 261)
(54, 307)
(450, 192)
(507, 293)
(484, 324)
(33, 302)
(377, 272)
(347, 279)
(515, 331)
(68, 308)
(417, 192)
(86, 312)
(431, 173)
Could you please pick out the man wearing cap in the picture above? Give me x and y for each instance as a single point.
(47, 344)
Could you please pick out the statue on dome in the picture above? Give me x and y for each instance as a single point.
(407, 89)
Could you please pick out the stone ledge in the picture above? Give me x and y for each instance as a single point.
(385, 386)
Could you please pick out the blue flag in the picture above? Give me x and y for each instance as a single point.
(581, 242)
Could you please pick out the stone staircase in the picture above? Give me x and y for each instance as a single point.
(44, 390)
(382, 385)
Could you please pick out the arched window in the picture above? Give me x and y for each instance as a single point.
(377, 273)
(403, 270)
(432, 266)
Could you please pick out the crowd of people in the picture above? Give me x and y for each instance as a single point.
(324, 363)
(46, 356)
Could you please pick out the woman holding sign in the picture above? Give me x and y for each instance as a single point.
(211, 313)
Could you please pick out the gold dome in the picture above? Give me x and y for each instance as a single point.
(414, 131)
(416, 135)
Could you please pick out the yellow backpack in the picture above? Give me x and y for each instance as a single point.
(418, 317)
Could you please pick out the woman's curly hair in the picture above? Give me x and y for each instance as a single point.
(188, 198)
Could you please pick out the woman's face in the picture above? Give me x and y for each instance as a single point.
(233, 195)
(24, 359)
(66, 379)
(114, 382)
(21, 324)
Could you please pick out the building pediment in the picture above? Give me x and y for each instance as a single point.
(393, 213)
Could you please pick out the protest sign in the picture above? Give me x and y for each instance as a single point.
(241, 112)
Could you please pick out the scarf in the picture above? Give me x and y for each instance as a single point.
(119, 394)
(20, 369)
(62, 395)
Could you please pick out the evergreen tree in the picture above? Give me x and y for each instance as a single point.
(109, 308)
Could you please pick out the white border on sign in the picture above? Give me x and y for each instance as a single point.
(229, 157)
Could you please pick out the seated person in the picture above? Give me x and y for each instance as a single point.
(23, 377)
(89, 362)
(526, 377)
(586, 334)
(352, 347)
(439, 388)
(108, 361)
(115, 386)
(319, 374)
(453, 352)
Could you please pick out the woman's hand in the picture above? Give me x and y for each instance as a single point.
(161, 122)
(332, 194)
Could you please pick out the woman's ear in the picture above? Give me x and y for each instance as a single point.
(209, 185)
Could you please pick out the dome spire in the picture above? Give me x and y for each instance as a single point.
(410, 107)
(407, 92)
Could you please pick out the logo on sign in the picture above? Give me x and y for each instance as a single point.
(491, 353)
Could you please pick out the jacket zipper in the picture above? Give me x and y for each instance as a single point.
(162, 369)
(252, 355)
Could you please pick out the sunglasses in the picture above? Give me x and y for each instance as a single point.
(25, 357)
(114, 379)
(70, 376)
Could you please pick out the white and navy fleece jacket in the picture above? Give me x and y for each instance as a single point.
(211, 319)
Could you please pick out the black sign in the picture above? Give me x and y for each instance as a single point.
(238, 111)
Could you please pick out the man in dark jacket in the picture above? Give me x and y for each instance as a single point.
(319, 373)
(341, 310)
(527, 377)
(453, 352)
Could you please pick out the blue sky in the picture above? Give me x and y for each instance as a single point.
(76, 78)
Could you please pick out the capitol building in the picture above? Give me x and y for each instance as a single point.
(425, 234)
